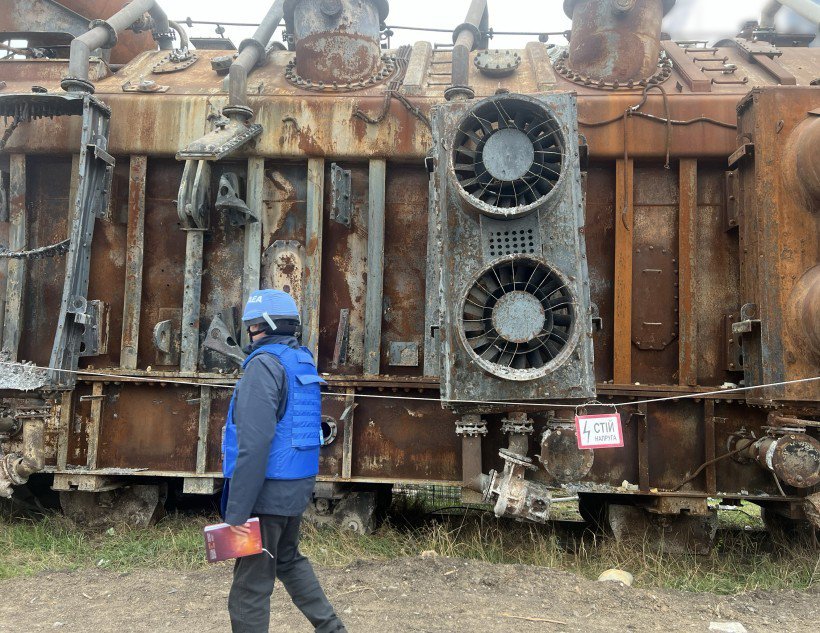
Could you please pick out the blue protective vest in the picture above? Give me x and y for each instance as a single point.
(294, 452)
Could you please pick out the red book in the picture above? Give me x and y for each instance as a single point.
(223, 544)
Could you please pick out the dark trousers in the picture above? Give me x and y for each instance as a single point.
(254, 576)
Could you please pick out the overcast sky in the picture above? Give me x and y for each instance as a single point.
(691, 19)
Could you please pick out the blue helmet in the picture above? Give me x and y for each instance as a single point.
(269, 306)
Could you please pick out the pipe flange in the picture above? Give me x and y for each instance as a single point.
(516, 459)
(113, 38)
(242, 113)
(561, 66)
(471, 429)
(523, 427)
(387, 71)
(257, 45)
(8, 469)
(75, 84)
(454, 93)
(466, 26)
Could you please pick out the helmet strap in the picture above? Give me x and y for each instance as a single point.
(269, 321)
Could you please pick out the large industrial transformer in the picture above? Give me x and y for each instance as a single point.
(485, 243)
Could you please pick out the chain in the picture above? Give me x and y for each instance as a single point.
(37, 253)
(9, 131)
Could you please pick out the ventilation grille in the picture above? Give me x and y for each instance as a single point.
(518, 316)
(508, 155)
(510, 237)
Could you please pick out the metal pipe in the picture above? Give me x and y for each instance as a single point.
(103, 34)
(466, 38)
(15, 469)
(251, 51)
(184, 42)
(808, 9)
(34, 448)
(768, 14)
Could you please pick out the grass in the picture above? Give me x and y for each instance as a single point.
(742, 560)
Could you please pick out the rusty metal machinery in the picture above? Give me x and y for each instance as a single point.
(482, 241)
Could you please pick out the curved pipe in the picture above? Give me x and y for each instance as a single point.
(466, 38)
(103, 34)
(805, 8)
(184, 42)
(251, 51)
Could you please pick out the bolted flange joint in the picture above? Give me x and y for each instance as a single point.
(9, 474)
(521, 425)
(471, 426)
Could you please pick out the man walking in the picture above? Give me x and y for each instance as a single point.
(271, 459)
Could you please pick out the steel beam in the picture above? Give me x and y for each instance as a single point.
(134, 253)
(375, 268)
(624, 222)
(251, 273)
(313, 252)
(432, 310)
(204, 428)
(16, 278)
(94, 425)
(687, 247)
(191, 299)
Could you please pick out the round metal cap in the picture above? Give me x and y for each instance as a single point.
(518, 317)
(508, 154)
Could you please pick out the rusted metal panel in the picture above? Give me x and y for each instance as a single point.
(134, 259)
(387, 439)
(600, 229)
(405, 263)
(655, 276)
(163, 437)
(164, 264)
(344, 269)
(252, 268)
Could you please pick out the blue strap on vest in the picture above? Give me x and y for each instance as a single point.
(294, 452)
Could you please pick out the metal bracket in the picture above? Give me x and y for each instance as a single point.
(91, 202)
(229, 202)
(748, 320)
(193, 203)
(747, 150)
(733, 343)
(222, 339)
(340, 192)
(166, 341)
(404, 354)
(95, 319)
(342, 336)
(732, 188)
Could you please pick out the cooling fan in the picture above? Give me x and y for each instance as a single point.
(508, 155)
(518, 318)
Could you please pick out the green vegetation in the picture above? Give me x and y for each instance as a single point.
(743, 560)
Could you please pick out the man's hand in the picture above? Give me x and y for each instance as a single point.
(240, 530)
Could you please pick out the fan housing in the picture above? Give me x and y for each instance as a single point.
(518, 318)
(508, 155)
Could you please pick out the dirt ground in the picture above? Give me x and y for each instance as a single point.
(414, 594)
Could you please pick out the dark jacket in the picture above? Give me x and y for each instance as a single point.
(261, 398)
